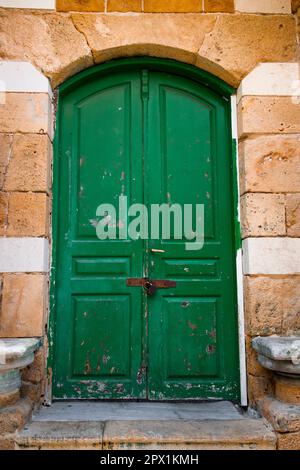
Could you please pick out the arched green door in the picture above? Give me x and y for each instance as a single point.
(148, 133)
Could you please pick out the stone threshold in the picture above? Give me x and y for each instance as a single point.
(165, 426)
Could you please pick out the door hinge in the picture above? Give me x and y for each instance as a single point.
(145, 84)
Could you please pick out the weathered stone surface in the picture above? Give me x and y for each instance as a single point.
(263, 215)
(5, 152)
(14, 417)
(253, 366)
(287, 389)
(293, 215)
(271, 304)
(186, 6)
(124, 5)
(259, 387)
(265, 6)
(225, 6)
(9, 398)
(7, 442)
(239, 42)
(283, 417)
(270, 164)
(290, 441)
(169, 435)
(61, 435)
(26, 112)
(30, 164)
(295, 5)
(35, 372)
(54, 44)
(80, 5)
(32, 392)
(23, 305)
(28, 215)
(49, 41)
(3, 212)
(175, 36)
(265, 114)
(17, 353)
(279, 348)
(284, 367)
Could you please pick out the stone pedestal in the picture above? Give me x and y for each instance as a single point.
(281, 355)
(15, 354)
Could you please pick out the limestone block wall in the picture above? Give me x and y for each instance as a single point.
(252, 45)
(269, 159)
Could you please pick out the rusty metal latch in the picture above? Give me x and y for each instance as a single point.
(150, 286)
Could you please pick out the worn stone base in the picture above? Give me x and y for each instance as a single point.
(150, 435)
(13, 418)
(285, 420)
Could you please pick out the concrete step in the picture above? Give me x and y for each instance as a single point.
(180, 434)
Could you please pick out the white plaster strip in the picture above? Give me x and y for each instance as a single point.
(22, 77)
(23, 255)
(271, 255)
(38, 4)
(239, 269)
(278, 79)
(263, 6)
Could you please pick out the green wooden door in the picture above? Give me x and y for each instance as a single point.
(155, 137)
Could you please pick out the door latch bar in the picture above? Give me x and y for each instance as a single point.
(149, 285)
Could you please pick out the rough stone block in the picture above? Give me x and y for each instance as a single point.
(239, 53)
(13, 418)
(181, 6)
(5, 152)
(176, 36)
(293, 215)
(9, 398)
(124, 5)
(259, 387)
(271, 256)
(62, 435)
(270, 164)
(23, 305)
(290, 441)
(253, 366)
(268, 301)
(283, 417)
(263, 215)
(26, 112)
(265, 6)
(287, 390)
(80, 5)
(30, 164)
(35, 372)
(172, 435)
(49, 41)
(224, 6)
(268, 115)
(3, 212)
(7, 442)
(28, 215)
(32, 392)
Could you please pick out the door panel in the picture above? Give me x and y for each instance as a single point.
(192, 328)
(155, 138)
(99, 350)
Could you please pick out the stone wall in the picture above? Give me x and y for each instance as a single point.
(252, 45)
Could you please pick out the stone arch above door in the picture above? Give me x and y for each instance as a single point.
(62, 44)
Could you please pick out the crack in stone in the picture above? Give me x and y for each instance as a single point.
(85, 38)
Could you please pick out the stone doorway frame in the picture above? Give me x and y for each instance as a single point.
(268, 84)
